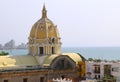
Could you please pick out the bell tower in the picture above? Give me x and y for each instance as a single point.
(44, 38)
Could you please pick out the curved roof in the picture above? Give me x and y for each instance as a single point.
(28, 60)
(17, 61)
(47, 61)
(74, 56)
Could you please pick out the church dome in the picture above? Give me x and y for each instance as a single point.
(44, 28)
(44, 38)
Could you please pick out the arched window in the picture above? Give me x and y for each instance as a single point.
(53, 40)
(41, 50)
(41, 79)
(5, 81)
(53, 50)
(63, 63)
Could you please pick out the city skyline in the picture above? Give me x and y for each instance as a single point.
(87, 23)
(12, 45)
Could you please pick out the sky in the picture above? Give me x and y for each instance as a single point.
(81, 23)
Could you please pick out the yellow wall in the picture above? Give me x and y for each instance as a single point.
(81, 69)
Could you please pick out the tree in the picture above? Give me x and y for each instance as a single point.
(108, 78)
(94, 60)
(97, 60)
(3, 53)
(90, 59)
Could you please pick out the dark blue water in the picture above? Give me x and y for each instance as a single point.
(109, 53)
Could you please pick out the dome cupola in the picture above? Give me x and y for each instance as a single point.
(44, 12)
(44, 38)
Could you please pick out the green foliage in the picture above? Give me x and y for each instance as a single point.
(109, 78)
(97, 60)
(94, 60)
(90, 59)
(3, 53)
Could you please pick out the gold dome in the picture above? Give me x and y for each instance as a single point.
(44, 34)
(44, 28)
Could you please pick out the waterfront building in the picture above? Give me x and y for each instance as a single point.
(115, 71)
(45, 60)
(21, 46)
(9, 45)
(97, 70)
(1, 47)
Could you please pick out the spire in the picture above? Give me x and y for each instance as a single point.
(44, 12)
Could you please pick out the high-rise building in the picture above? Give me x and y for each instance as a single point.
(21, 46)
(1, 47)
(10, 45)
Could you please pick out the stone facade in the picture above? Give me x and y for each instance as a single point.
(35, 75)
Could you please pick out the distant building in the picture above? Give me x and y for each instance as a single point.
(45, 60)
(97, 70)
(116, 70)
(1, 47)
(10, 45)
(21, 46)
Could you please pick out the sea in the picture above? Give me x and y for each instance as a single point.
(104, 53)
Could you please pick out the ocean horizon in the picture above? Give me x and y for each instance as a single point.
(104, 53)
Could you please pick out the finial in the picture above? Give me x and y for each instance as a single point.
(44, 12)
(44, 7)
